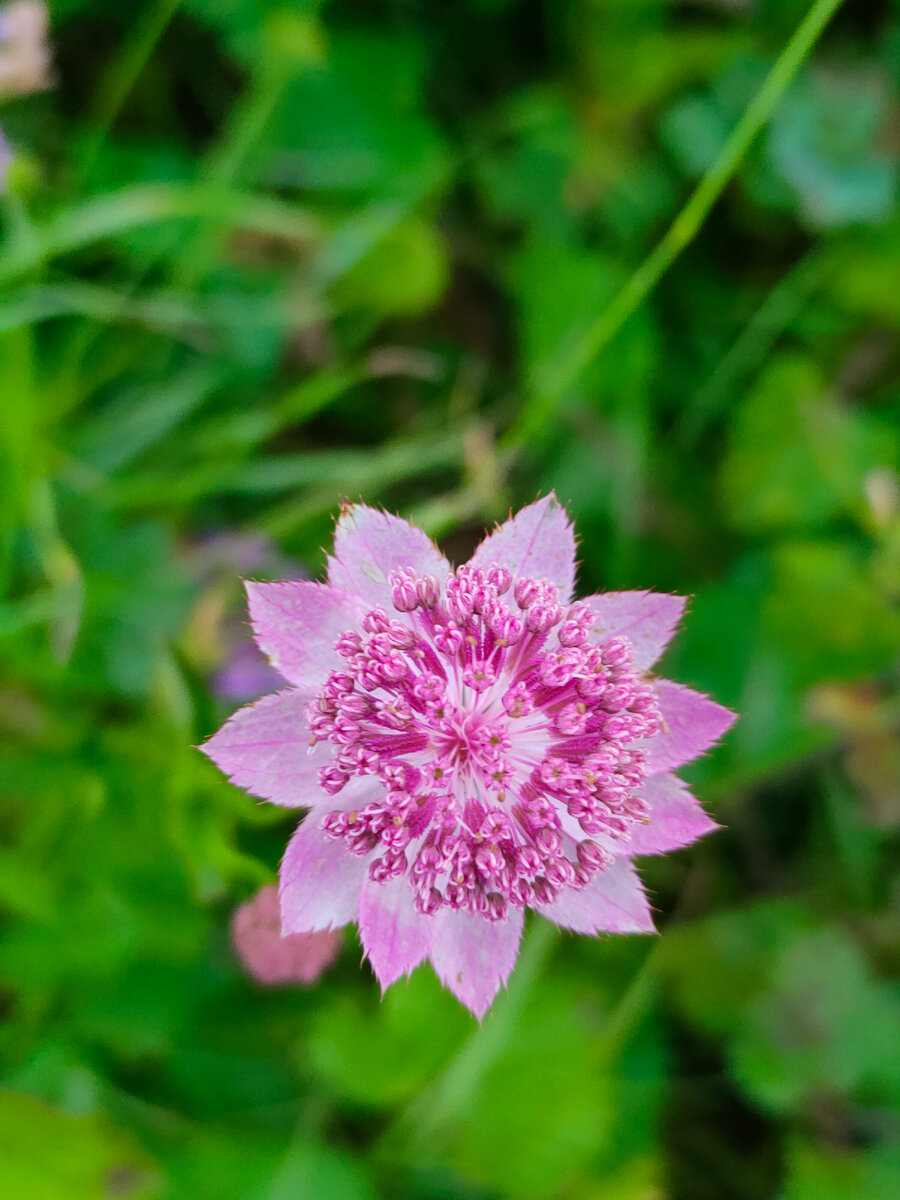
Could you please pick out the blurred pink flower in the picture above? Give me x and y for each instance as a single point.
(272, 959)
(471, 744)
(25, 59)
(243, 673)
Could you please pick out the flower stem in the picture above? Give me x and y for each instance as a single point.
(633, 1003)
(550, 386)
(435, 1110)
(117, 84)
(450, 1094)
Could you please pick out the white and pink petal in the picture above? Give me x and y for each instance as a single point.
(265, 749)
(692, 723)
(319, 881)
(676, 818)
(297, 623)
(473, 957)
(647, 619)
(369, 545)
(395, 937)
(613, 902)
(537, 542)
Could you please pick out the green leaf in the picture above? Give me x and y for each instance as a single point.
(139, 417)
(348, 128)
(715, 968)
(47, 1155)
(796, 455)
(825, 143)
(311, 1169)
(827, 614)
(404, 274)
(820, 1027)
(380, 1056)
(816, 1173)
(545, 1108)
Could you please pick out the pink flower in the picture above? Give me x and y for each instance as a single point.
(273, 959)
(25, 59)
(470, 744)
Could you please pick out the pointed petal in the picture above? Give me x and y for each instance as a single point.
(369, 545)
(319, 881)
(473, 957)
(647, 619)
(297, 624)
(265, 749)
(614, 900)
(676, 818)
(395, 937)
(538, 541)
(692, 723)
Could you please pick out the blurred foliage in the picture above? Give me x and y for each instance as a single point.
(261, 255)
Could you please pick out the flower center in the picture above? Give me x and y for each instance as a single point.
(508, 748)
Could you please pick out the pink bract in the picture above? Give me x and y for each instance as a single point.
(470, 743)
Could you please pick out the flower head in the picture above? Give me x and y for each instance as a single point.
(298, 958)
(470, 743)
(218, 626)
(25, 60)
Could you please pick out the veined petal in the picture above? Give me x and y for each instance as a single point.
(265, 749)
(297, 624)
(647, 619)
(538, 541)
(473, 956)
(395, 937)
(676, 818)
(319, 881)
(369, 545)
(614, 901)
(692, 723)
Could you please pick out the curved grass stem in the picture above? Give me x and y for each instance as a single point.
(549, 388)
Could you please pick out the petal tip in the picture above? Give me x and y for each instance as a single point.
(537, 541)
(692, 725)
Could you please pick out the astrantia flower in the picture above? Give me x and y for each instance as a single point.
(299, 958)
(25, 59)
(470, 743)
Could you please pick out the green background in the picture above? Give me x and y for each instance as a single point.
(260, 256)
